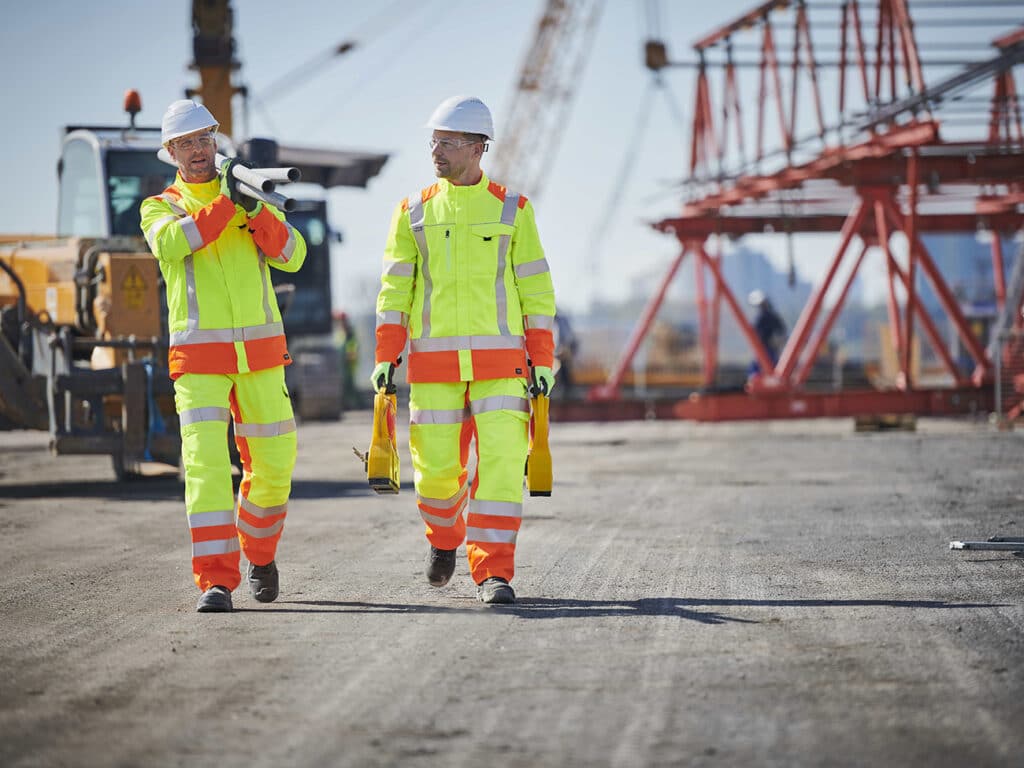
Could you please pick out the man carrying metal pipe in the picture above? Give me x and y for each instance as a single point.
(465, 281)
(227, 355)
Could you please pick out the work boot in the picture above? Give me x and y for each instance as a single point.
(215, 600)
(440, 566)
(495, 590)
(263, 582)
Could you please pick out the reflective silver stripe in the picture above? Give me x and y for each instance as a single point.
(492, 535)
(416, 215)
(289, 246)
(399, 268)
(268, 316)
(157, 227)
(439, 522)
(437, 416)
(458, 499)
(173, 203)
(546, 322)
(192, 236)
(497, 508)
(257, 511)
(260, 533)
(226, 335)
(215, 547)
(499, 403)
(192, 321)
(508, 217)
(455, 343)
(392, 316)
(531, 268)
(274, 429)
(210, 519)
(207, 413)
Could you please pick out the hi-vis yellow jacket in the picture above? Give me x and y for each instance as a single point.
(466, 280)
(222, 311)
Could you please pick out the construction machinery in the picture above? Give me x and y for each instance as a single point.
(83, 330)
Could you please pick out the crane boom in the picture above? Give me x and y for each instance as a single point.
(537, 112)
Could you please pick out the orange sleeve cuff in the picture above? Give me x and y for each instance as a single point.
(390, 343)
(540, 347)
(269, 232)
(211, 219)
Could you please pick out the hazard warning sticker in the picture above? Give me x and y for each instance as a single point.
(133, 288)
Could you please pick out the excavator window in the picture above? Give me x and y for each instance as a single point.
(81, 193)
(133, 176)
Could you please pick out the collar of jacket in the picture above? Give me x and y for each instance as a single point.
(464, 189)
(203, 192)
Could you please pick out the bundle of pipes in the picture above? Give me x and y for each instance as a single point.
(257, 183)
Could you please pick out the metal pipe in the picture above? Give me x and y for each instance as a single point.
(276, 199)
(251, 176)
(280, 175)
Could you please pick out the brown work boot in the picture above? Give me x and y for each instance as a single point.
(495, 591)
(440, 566)
(215, 600)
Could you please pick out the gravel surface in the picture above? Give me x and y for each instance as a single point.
(769, 594)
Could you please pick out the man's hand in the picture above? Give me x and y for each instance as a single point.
(543, 379)
(229, 186)
(381, 375)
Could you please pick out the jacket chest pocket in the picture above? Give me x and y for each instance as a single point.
(489, 248)
(440, 244)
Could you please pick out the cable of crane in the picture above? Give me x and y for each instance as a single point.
(404, 45)
(592, 250)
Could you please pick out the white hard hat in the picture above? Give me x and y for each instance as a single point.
(183, 117)
(464, 114)
(756, 298)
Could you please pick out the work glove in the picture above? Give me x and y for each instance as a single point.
(229, 185)
(381, 375)
(543, 379)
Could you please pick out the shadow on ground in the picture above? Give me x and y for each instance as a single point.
(551, 608)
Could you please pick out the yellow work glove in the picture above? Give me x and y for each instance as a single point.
(381, 375)
(544, 379)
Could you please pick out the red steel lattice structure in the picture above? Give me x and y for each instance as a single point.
(880, 166)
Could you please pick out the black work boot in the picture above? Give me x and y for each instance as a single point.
(440, 566)
(263, 581)
(215, 600)
(495, 591)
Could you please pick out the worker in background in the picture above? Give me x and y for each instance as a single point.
(227, 356)
(346, 342)
(566, 346)
(769, 327)
(466, 282)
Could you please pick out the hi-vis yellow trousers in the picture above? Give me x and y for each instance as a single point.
(443, 420)
(259, 404)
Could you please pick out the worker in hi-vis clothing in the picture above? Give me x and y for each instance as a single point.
(227, 356)
(465, 282)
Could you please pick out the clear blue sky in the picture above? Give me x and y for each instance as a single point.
(70, 62)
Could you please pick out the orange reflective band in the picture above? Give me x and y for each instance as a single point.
(499, 191)
(213, 533)
(221, 357)
(434, 367)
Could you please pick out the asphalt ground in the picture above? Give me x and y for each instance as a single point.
(756, 594)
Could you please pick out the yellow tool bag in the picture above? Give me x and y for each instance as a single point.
(538, 457)
(381, 461)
